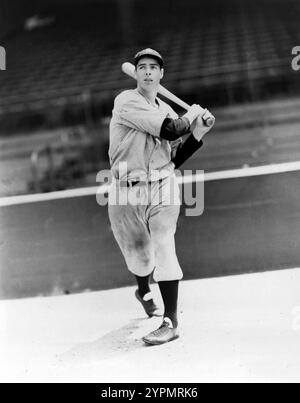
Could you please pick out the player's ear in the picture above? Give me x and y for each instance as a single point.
(162, 72)
(134, 72)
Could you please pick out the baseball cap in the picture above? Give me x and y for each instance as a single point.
(148, 52)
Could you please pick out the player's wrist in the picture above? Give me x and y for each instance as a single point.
(198, 136)
(190, 117)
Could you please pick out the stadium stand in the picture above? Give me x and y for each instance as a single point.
(227, 44)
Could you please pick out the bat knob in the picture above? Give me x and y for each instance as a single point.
(209, 122)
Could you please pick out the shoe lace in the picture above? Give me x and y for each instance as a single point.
(161, 329)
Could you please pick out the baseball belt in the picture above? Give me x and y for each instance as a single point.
(134, 183)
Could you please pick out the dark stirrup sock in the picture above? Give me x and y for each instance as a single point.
(143, 285)
(169, 293)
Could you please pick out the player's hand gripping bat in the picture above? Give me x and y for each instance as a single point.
(128, 69)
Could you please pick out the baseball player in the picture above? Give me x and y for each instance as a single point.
(146, 139)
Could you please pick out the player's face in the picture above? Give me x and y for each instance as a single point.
(148, 74)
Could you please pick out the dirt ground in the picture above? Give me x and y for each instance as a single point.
(235, 329)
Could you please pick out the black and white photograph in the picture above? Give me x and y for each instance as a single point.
(149, 194)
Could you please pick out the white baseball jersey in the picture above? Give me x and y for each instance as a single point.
(145, 231)
(135, 137)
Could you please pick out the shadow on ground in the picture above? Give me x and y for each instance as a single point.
(115, 343)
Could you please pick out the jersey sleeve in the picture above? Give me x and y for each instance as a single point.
(185, 150)
(172, 129)
(141, 117)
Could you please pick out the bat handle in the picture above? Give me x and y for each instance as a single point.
(208, 122)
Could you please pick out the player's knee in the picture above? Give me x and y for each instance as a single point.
(162, 229)
(140, 244)
(162, 244)
(141, 256)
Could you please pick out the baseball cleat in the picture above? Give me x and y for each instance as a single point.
(148, 304)
(164, 334)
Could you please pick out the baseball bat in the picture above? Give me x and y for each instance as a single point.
(128, 68)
